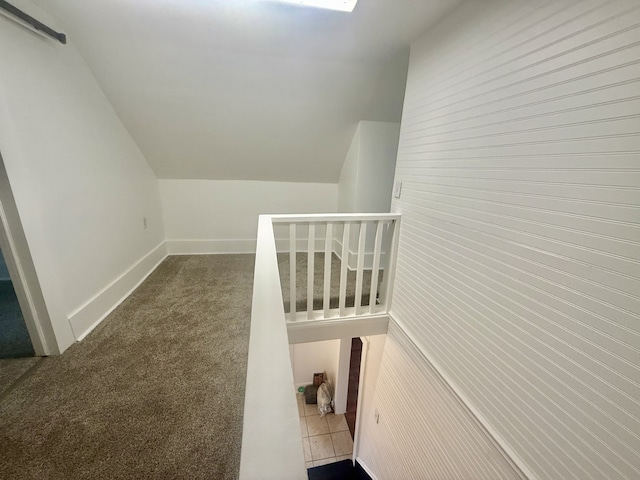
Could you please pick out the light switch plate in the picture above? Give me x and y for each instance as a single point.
(397, 189)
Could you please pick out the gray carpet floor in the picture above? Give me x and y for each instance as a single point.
(12, 369)
(155, 392)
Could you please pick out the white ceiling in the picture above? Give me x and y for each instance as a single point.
(247, 89)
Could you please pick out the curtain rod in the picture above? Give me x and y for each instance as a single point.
(16, 12)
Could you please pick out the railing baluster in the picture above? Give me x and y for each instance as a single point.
(311, 260)
(375, 269)
(360, 267)
(343, 268)
(328, 251)
(387, 287)
(385, 245)
(292, 272)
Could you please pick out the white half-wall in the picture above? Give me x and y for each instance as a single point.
(81, 186)
(221, 216)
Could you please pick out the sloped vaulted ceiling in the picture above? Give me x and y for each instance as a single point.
(247, 89)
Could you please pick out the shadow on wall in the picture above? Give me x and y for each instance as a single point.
(14, 337)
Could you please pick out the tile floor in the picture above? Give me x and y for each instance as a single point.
(325, 439)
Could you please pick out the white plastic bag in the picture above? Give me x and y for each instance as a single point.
(324, 399)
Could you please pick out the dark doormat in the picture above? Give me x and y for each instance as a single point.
(343, 470)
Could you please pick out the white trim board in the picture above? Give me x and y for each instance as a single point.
(341, 389)
(269, 375)
(89, 316)
(337, 328)
(210, 247)
(365, 468)
(512, 458)
(364, 356)
(282, 245)
(46, 340)
(352, 263)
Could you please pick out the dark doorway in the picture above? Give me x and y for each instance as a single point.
(354, 379)
(14, 336)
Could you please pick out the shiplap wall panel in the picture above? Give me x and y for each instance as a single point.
(414, 403)
(519, 259)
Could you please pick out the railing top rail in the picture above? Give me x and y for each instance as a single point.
(269, 378)
(334, 217)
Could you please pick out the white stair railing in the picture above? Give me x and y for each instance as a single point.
(269, 374)
(367, 242)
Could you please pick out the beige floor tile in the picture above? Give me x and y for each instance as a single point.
(337, 423)
(321, 447)
(309, 464)
(324, 461)
(342, 443)
(344, 457)
(317, 425)
(311, 409)
(303, 427)
(307, 450)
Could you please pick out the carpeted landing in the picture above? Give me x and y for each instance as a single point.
(155, 392)
(318, 282)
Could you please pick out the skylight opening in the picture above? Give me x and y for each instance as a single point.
(340, 5)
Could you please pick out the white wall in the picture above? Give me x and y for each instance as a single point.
(366, 179)
(80, 183)
(209, 216)
(341, 392)
(518, 268)
(378, 151)
(348, 183)
(314, 357)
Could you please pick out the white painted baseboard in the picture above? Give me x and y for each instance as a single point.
(282, 245)
(352, 262)
(366, 468)
(88, 316)
(210, 247)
